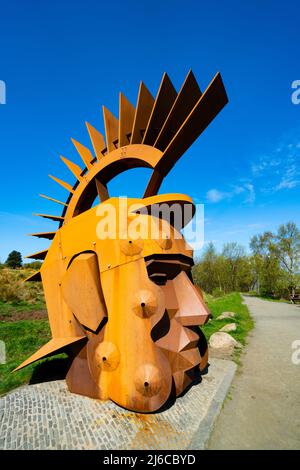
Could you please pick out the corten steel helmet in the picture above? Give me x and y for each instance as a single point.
(121, 301)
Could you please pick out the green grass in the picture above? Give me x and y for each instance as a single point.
(229, 303)
(21, 338)
(7, 309)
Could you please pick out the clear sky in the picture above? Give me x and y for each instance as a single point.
(61, 60)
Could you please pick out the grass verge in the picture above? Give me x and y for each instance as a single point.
(11, 311)
(21, 338)
(229, 303)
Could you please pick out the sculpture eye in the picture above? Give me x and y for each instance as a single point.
(164, 267)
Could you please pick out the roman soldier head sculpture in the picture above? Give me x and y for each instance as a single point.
(117, 275)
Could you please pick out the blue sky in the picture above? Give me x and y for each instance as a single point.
(62, 60)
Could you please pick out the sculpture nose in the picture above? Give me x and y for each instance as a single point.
(186, 298)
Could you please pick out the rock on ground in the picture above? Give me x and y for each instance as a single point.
(222, 344)
(229, 327)
(226, 315)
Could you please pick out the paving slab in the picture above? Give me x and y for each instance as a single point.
(48, 416)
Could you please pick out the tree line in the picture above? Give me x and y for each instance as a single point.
(15, 261)
(271, 268)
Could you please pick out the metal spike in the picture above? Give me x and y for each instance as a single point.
(56, 218)
(101, 190)
(85, 153)
(143, 110)
(53, 200)
(111, 125)
(48, 235)
(40, 255)
(126, 117)
(97, 140)
(35, 277)
(75, 169)
(164, 100)
(186, 99)
(65, 185)
(206, 109)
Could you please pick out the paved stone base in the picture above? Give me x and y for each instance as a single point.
(48, 416)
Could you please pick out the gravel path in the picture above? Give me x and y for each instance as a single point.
(263, 408)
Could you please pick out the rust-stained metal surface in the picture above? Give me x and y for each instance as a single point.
(130, 301)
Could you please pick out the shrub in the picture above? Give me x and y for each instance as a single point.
(14, 259)
(13, 288)
(217, 292)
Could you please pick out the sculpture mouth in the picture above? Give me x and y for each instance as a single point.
(164, 267)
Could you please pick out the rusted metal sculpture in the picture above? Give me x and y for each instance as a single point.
(125, 308)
